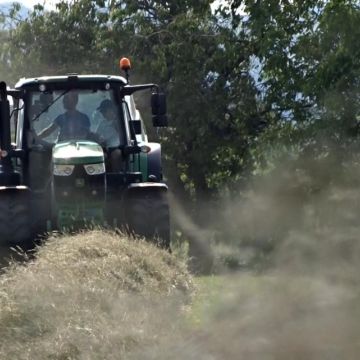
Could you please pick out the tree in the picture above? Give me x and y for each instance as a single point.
(309, 69)
(201, 63)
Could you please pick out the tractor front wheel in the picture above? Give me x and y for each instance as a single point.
(15, 228)
(148, 216)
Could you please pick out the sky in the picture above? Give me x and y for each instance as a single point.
(27, 3)
(30, 3)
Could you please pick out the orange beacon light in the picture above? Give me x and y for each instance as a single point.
(125, 64)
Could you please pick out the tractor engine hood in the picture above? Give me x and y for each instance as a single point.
(77, 152)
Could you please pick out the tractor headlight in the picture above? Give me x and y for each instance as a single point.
(95, 169)
(63, 170)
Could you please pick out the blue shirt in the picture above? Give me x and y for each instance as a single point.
(73, 126)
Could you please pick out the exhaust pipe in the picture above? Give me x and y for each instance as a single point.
(5, 131)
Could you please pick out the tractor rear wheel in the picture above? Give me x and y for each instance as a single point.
(15, 227)
(148, 216)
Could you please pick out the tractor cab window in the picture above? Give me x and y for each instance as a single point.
(64, 115)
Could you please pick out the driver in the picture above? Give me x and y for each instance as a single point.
(72, 123)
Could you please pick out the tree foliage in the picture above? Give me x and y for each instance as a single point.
(181, 45)
(241, 81)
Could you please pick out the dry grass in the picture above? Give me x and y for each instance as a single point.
(304, 302)
(94, 295)
(306, 307)
(276, 316)
(100, 296)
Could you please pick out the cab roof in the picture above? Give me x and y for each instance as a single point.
(30, 82)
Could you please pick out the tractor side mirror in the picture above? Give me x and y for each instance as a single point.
(158, 108)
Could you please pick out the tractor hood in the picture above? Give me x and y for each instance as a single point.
(77, 152)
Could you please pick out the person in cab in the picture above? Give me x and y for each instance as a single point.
(72, 124)
(109, 132)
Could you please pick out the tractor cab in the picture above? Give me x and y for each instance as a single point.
(58, 109)
(83, 156)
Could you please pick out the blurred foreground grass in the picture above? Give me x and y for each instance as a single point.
(277, 315)
(94, 295)
(98, 295)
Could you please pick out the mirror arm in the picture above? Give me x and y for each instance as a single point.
(130, 89)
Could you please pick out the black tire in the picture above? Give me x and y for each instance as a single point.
(15, 228)
(148, 216)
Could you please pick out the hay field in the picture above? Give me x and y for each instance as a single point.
(98, 295)
(94, 295)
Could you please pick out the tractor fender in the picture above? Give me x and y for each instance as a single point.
(154, 162)
(9, 178)
(142, 188)
(19, 189)
(145, 186)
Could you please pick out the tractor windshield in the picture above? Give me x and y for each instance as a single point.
(76, 115)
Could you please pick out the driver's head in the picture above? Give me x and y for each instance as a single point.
(70, 100)
(107, 109)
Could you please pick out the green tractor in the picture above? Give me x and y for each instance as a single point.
(74, 153)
